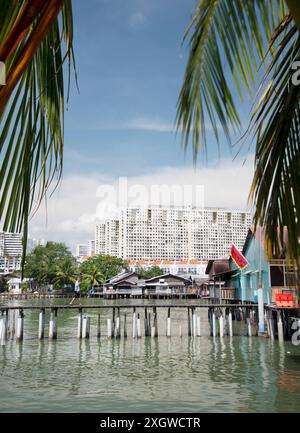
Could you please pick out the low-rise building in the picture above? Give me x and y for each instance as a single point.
(275, 277)
(168, 284)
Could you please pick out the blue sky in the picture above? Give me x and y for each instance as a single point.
(130, 64)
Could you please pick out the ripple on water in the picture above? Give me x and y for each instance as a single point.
(177, 374)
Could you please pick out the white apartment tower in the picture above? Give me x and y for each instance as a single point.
(172, 233)
(11, 248)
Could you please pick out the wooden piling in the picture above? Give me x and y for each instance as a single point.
(249, 329)
(214, 328)
(109, 328)
(134, 323)
(280, 327)
(20, 326)
(6, 323)
(2, 331)
(138, 326)
(230, 324)
(189, 323)
(41, 324)
(53, 324)
(146, 323)
(180, 331)
(86, 327)
(198, 324)
(221, 325)
(117, 330)
(125, 326)
(169, 323)
(79, 324)
(194, 325)
(99, 326)
(113, 322)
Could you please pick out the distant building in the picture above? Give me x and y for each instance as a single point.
(11, 248)
(33, 243)
(172, 233)
(167, 284)
(91, 247)
(125, 282)
(276, 276)
(16, 285)
(85, 250)
(193, 268)
(82, 250)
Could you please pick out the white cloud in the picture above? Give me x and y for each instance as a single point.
(137, 19)
(149, 124)
(73, 209)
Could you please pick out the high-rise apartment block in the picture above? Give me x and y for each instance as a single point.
(172, 233)
(11, 248)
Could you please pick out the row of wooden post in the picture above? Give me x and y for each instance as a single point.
(220, 324)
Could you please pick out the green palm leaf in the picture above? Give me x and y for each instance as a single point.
(275, 187)
(239, 36)
(32, 121)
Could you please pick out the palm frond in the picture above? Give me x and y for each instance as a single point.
(226, 34)
(35, 42)
(275, 187)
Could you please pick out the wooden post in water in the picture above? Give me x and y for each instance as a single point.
(189, 323)
(6, 323)
(146, 323)
(214, 328)
(109, 328)
(221, 325)
(153, 329)
(169, 323)
(198, 324)
(271, 325)
(118, 325)
(149, 324)
(125, 326)
(194, 325)
(86, 327)
(138, 326)
(280, 327)
(99, 326)
(2, 331)
(230, 323)
(79, 324)
(156, 322)
(13, 324)
(53, 324)
(20, 326)
(41, 324)
(113, 322)
(180, 330)
(134, 323)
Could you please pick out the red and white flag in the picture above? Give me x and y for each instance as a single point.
(238, 258)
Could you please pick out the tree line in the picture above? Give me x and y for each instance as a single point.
(53, 264)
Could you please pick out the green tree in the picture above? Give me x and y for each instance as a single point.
(92, 277)
(65, 272)
(154, 271)
(109, 266)
(46, 264)
(239, 36)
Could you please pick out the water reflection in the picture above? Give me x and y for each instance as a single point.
(238, 374)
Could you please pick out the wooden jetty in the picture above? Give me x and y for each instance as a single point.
(144, 320)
